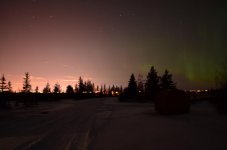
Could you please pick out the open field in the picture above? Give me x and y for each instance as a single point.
(106, 124)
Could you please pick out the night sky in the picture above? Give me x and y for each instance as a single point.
(105, 41)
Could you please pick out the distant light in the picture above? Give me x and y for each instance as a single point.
(198, 91)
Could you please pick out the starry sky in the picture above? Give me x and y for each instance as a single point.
(107, 40)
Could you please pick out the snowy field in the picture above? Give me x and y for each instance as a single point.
(106, 124)
(138, 127)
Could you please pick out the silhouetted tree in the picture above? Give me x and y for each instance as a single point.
(36, 89)
(47, 88)
(89, 87)
(76, 88)
(152, 83)
(121, 89)
(112, 89)
(85, 86)
(57, 88)
(166, 81)
(3, 86)
(101, 90)
(104, 89)
(132, 86)
(93, 87)
(97, 88)
(81, 85)
(69, 89)
(26, 85)
(140, 84)
(10, 89)
(117, 90)
(109, 91)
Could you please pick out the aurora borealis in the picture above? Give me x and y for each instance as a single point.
(106, 41)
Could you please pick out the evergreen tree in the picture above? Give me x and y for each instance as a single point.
(132, 86)
(47, 88)
(166, 81)
(152, 83)
(81, 85)
(121, 89)
(3, 86)
(97, 88)
(117, 90)
(109, 90)
(89, 87)
(69, 89)
(26, 85)
(140, 84)
(76, 88)
(93, 87)
(10, 89)
(104, 89)
(36, 89)
(85, 86)
(101, 90)
(113, 89)
(57, 88)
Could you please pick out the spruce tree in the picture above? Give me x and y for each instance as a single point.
(113, 89)
(36, 89)
(47, 88)
(26, 85)
(101, 90)
(140, 84)
(166, 81)
(104, 89)
(109, 91)
(97, 88)
(132, 86)
(76, 88)
(3, 86)
(81, 85)
(57, 88)
(152, 83)
(89, 87)
(121, 89)
(10, 89)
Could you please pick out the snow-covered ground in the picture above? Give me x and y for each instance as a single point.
(137, 127)
(106, 124)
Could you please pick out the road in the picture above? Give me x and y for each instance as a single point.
(106, 124)
(64, 125)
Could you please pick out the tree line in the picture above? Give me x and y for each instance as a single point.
(28, 97)
(151, 86)
(161, 90)
(82, 87)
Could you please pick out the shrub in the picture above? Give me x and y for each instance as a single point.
(172, 102)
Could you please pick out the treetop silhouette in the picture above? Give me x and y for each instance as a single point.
(132, 86)
(26, 85)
